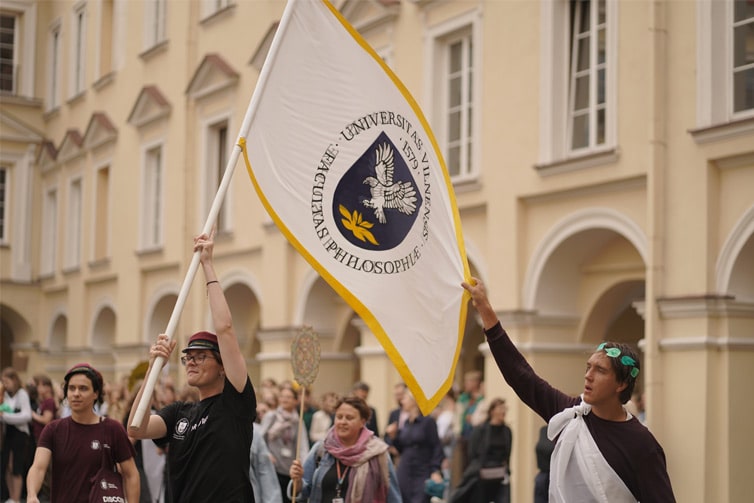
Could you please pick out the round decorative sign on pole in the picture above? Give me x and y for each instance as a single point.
(305, 355)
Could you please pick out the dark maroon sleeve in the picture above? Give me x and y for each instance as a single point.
(122, 447)
(530, 388)
(47, 435)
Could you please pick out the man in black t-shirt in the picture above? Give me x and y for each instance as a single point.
(208, 441)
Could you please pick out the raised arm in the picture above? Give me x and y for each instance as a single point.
(534, 391)
(230, 352)
(481, 302)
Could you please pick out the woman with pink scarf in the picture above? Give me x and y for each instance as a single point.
(350, 465)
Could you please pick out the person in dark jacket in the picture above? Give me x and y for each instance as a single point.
(543, 450)
(420, 451)
(487, 476)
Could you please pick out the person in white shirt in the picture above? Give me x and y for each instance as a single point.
(17, 438)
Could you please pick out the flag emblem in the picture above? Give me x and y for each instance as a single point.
(376, 202)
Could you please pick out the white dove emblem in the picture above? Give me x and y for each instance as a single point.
(386, 193)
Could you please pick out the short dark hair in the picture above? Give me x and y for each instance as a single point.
(357, 403)
(94, 376)
(623, 373)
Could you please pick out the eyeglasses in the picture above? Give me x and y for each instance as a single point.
(198, 358)
(625, 359)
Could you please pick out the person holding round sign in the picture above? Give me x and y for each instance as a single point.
(350, 464)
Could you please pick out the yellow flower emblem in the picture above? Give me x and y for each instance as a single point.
(355, 223)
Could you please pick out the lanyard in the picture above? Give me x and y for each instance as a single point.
(341, 478)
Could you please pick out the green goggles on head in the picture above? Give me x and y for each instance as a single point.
(625, 359)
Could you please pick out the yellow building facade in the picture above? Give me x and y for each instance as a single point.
(602, 154)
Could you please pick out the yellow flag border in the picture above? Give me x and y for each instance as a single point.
(426, 404)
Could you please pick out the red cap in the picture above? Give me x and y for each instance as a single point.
(203, 340)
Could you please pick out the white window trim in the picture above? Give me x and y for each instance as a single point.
(730, 58)
(714, 102)
(107, 164)
(18, 210)
(209, 131)
(100, 37)
(120, 35)
(436, 113)
(48, 253)
(554, 78)
(209, 7)
(25, 10)
(54, 70)
(74, 220)
(145, 242)
(77, 80)
(150, 38)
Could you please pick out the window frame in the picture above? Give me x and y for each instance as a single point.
(48, 252)
(466, 26)
(555, 47)
(25, 52)
(214, 168)
(54, 61)
(74, 220)
(102, 197)
(5, 194)
(106, 33)
(77, 79)
(210, 8)
(152, 225)
(155, 23)
(714, 104)
(15, 52)
(591, 71)
(732, 24)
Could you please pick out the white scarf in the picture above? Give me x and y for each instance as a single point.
(578, 470)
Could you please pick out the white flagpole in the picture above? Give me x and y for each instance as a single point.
(146, 396)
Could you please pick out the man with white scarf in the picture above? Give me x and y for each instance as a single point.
(603, 454)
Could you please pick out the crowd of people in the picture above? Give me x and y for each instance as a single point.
(220, 439)
(422, 453)
(421, 447)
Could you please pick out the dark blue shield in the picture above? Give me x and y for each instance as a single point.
(356, 220)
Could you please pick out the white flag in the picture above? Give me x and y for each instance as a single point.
(345, 163)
